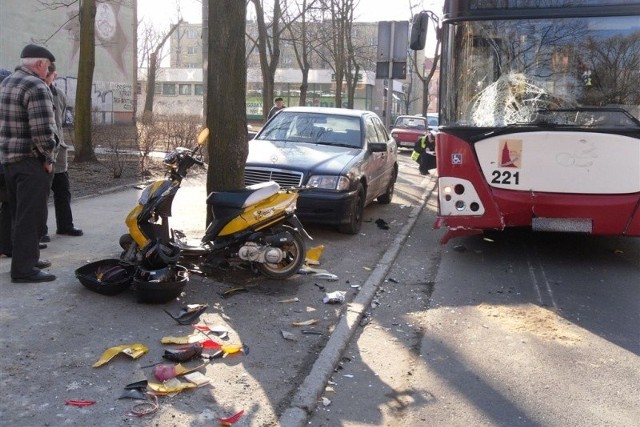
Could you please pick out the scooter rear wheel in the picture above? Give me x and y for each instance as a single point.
(294, 255)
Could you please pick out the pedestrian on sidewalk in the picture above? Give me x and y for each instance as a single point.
(27, 141)
(60, 183)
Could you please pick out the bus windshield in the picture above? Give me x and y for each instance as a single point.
(577, 72)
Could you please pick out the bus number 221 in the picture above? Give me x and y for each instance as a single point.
(505, 177)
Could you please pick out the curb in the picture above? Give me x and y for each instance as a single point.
(306, 397)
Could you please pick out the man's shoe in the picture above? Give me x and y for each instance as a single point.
(40, 276)
(42, 246)
(43, 263)
(71, 232)
(45, 239)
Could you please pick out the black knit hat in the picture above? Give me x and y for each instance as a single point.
(35, 51)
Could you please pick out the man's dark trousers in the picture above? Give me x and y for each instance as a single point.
(62, 201)
(28, 186)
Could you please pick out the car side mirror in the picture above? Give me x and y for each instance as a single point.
(377, 147)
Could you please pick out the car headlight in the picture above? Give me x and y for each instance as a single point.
(329, 182)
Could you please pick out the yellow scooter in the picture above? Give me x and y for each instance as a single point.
(255, 225)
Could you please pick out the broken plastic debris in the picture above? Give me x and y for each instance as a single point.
(80, 402)
(382, 224)
(326, 276)
(188, 313)
(284, 301)
(314, 254)
(133, 393)
(288, 336)
(228, 349)
(132, 350)
(311, 270)
(305, 323)
(197, 378)
(232, 291)
(171, 386)
(166, 371)
(219, 330)
(232, 419)
(188, 339)
(336, 297)
(183, 354)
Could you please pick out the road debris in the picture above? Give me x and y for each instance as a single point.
(336, 297)
(134, 351)
(288, 336)
(188, 313)
(305, 323)
(232, 419)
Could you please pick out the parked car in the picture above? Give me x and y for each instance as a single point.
(407, 130)
(434, 121)
(346, 158)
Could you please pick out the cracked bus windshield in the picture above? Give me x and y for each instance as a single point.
(578, 72)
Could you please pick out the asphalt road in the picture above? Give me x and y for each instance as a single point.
(508, 329)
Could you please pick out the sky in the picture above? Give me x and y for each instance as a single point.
(164, 12)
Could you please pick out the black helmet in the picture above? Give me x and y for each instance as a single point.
(157, 255)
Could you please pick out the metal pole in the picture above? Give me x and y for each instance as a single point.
(387, 114)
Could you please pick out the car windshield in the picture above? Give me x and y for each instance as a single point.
(579, 72)
(415, 123)
(317, 128)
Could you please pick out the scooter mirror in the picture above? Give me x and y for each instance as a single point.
(203, 135)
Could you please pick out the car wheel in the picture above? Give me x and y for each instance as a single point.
(385, 198)
(355, 219)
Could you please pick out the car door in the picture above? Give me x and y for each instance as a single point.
(375, 162)
(388, 158)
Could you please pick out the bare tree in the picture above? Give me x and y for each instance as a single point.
(154, 63)
(297, 22)
(268, 44)
(226, 78)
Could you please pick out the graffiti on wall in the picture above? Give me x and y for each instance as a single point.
(107, 98)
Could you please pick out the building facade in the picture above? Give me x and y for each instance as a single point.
(57, 28)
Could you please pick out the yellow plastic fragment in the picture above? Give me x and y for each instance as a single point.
(305, 323)
(169, 387)
(313, 255)
(132, 350)
(188, 339)
(230, 349)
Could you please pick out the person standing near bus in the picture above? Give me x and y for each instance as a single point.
(27, 141)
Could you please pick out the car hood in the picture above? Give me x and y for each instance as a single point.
(301, 156)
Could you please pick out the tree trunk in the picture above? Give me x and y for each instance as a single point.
(226, 86)
(83, 108)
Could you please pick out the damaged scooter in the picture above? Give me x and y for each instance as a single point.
(256, 225)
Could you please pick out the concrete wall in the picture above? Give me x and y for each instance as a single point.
(29, 21)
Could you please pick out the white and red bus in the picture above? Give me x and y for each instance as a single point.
(539, 116)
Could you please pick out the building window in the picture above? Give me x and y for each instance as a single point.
(198, 89)
(157, 89)
(192, 50)
(184, 89)
(138, 88)
(168, 89)
(193, 34)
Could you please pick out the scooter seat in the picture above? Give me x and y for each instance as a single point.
(245, 197)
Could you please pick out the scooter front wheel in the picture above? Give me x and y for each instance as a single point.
(294, 254)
